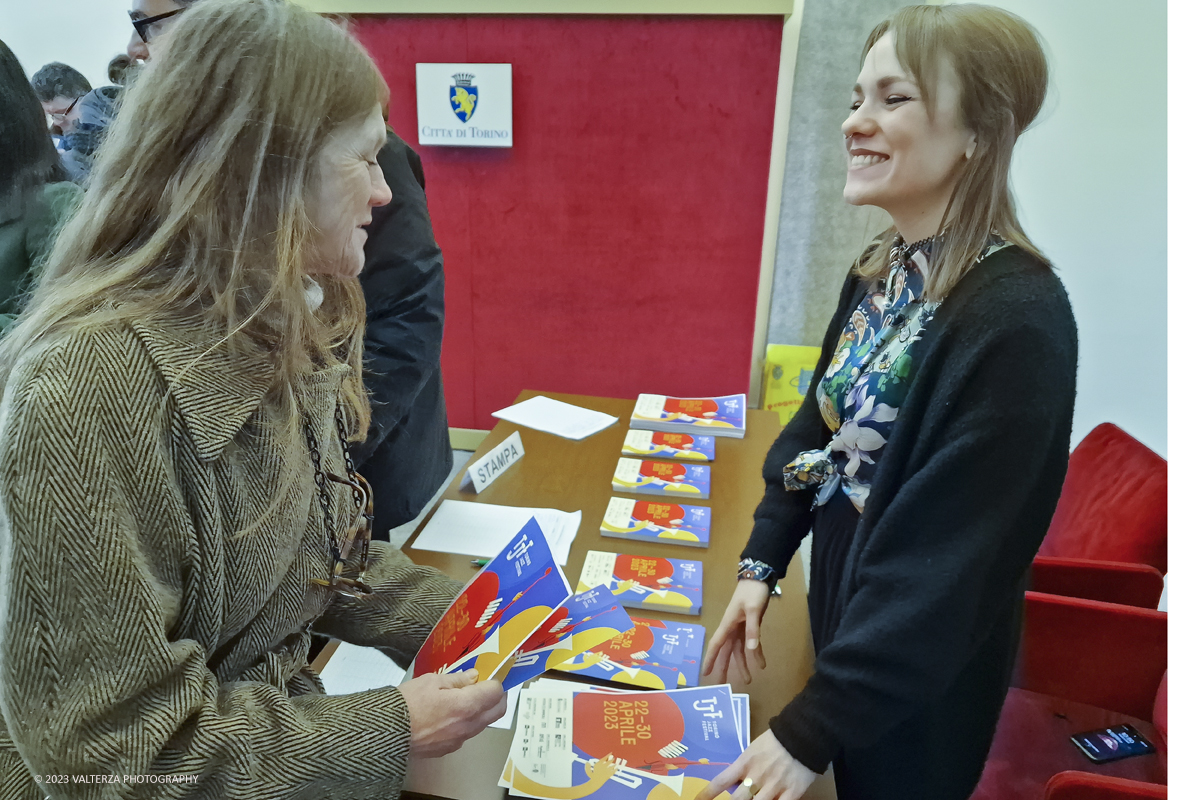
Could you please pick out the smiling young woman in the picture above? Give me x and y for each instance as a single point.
(928, 458)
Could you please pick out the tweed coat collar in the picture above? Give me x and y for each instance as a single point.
(215, 388)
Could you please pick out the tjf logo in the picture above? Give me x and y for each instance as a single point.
(463, 96)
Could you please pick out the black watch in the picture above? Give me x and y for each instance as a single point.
(751, 570)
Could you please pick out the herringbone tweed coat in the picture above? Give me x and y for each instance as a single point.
(157, 543)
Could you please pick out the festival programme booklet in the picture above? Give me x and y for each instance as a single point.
(715, 416)
(663, 584)
(583, 622)
(679, 446)
(656, 521)
(576, 741)
(516, 596)
(656, 654)
(661, 478)
(741, 705)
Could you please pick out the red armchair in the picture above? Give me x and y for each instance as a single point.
(1108, 538)
(1084, 665)
(1085, 786)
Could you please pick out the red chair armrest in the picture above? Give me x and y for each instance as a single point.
(1086, 786)
(1107, 581)
(1102, 654)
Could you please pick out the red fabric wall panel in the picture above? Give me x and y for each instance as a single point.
(637, 184)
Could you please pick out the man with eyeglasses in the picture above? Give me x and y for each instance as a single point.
(151, 19)
(59, 88)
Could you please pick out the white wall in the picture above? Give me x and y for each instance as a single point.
(83, 33)
(1091, 182)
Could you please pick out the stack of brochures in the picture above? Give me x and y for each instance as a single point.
(656, 521)
(656, 654)
(677, 446)
(575, 740)
(648, 582)
(712, 416)
(661, 478)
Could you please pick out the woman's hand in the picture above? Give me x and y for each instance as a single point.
(446, 710)
(737, 637)
(777, 775)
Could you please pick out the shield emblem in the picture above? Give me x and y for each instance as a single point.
(464, 100)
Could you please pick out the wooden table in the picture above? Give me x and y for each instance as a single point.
(570, 475)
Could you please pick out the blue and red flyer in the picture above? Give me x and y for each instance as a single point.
(498, 610)
(656, 521)
(584, 621)
(575, 741)
(665, 584)
(715, 416)
(677, 446)
(661, 478)
(655, 654)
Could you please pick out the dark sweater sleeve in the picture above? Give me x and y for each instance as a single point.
(404, 285)
(783, 518)
(947, 555)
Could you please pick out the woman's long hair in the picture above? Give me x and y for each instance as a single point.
(28, 159)
(198, 201)
(1001, 66)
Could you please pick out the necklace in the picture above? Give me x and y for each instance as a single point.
(361, 538)
(901, 251)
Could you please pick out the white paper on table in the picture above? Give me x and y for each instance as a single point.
(482, 529)
(554, 416)
(357, 669)
(505, 722)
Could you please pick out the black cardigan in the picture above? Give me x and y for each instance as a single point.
(960, 502)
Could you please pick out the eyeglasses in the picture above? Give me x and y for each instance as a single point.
(142, 24)
(61, 116)
(359, 539)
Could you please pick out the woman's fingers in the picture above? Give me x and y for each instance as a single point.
(710, 655)
(737, 660)
(753, 642)
(728, 779)
(721, 666)
(753, 618)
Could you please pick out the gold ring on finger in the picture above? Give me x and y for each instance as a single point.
(750, 786)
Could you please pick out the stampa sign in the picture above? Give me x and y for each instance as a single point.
(464, 105)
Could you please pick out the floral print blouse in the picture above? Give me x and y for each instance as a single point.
(868, 378)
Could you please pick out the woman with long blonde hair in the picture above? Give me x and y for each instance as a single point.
(178, 513)
(928, 456)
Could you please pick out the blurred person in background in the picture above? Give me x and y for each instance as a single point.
(80, 113)
(120, 69)
(59, 89)
(177, 511)
(90, 113)
(35, 196)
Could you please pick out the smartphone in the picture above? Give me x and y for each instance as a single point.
(1111, 744)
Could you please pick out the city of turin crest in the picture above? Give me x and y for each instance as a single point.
(463, 96)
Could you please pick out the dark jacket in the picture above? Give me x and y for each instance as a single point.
(26, 236)
(961, 500)
(407, 455)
